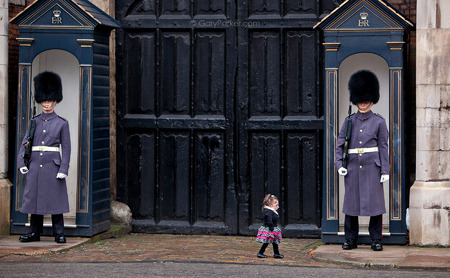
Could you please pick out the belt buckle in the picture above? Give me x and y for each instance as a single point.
(41, 149)
(361, 150)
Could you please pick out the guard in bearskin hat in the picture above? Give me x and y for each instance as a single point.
(368, 161)
(46, 191)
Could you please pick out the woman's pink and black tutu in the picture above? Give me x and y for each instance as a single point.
(267, 236)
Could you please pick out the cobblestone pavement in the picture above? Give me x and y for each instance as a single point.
(165, 247)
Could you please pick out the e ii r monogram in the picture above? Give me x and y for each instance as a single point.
(363, 22)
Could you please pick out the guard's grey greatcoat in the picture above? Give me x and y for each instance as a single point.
(364, 194)
(44, 193)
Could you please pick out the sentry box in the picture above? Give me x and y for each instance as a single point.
(70, 38)
(364, 34)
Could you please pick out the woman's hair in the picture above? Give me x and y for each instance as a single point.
(268, 200)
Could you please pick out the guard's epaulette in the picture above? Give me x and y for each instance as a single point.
(379, 115)
(62, 118)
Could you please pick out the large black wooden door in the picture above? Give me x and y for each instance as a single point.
(279, 114)
(175, 115)
(218, 103)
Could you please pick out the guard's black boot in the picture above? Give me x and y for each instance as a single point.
(376, 245)
(278, 256)
(29, 237)
(349, 244)
(60, 239)
(261, 255)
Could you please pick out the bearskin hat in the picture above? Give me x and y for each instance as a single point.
(47, 86)
(363, 86)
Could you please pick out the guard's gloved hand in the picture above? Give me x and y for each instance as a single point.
(61, 176)
(24, 170)
(384, 178)
(342, 171)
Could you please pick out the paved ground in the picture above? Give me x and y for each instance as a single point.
(157, 247)
(392, 256)
(224, 249)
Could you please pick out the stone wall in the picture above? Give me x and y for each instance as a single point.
(430, 194)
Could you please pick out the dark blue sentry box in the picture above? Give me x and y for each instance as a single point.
(70, 38)
(364, 34)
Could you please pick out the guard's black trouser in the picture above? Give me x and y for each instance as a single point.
(351, 227)
(275, 248)
(37, 224)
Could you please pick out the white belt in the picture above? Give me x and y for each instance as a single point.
(363, 150)
(44, 149)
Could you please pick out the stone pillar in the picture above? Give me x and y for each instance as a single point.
(430, 194)
(5, 206)
(3, 88)
(5, 184)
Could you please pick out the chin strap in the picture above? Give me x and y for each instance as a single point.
(367, 109)
(50, 106)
